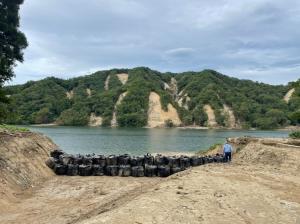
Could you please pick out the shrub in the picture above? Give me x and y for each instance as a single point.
(295, 134)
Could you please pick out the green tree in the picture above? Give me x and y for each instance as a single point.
(12, 40)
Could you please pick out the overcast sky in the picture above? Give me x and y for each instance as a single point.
(249, 39)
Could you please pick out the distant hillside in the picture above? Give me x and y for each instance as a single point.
(142, 97)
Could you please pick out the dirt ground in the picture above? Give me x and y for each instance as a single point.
(261, 185)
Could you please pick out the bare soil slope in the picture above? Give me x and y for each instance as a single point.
(22, 163)
(261, 185)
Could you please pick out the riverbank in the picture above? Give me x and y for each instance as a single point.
(261, 185)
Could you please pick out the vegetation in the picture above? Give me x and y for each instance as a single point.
(295, 134)
(12, 129)
(255, 105)
(12, 42)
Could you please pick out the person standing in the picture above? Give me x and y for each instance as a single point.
(227, 151)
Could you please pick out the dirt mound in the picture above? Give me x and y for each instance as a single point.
(22, 162)
(288, 95)
(157, 116)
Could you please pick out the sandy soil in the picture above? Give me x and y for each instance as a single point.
(70, 94)
(114, 117)
(95, 121)
(106, 84)
(157, 116)
(123, 77)
(211, 122)
(261, 185)
(288, 95)
(231, 121)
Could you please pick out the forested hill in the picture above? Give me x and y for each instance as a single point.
(142, 97)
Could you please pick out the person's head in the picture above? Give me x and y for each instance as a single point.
(227, 140)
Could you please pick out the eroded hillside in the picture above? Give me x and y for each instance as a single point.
(205, 98)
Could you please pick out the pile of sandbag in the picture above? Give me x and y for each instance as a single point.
(125, 165)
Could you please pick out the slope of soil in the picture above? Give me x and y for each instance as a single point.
(22, 163)
(211, 122)
(157, 116)
(288, 95)
(123, 77)
(114, 118)
(261, 185)
(70, 94)
(230, 121)
(106, 84)
(88, 92)
(95, 120)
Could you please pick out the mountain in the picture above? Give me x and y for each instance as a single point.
(142, 97)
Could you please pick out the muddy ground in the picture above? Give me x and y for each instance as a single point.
(261, 185)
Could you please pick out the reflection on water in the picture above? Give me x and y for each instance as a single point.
(140, 141)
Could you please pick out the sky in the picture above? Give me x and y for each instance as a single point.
(249, 39)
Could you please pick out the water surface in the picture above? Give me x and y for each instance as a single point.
(137, 141)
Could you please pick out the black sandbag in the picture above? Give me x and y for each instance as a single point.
(137, 161)
(111, 170)
(87, 160)
(210, 159)
(159, 160)
(112, 160)
(124, 170)
(56, 153)
(195, 161)
(184, 162)
(137, 171)
(148, 159)
(173, 161)
(124, 159)
(150, 170)
(163, 171)
(78, 159)
(50, 162)
(60, 169)
(72, 170)
(97, 170)
(65, 159)
(85, 170)
(175, 170)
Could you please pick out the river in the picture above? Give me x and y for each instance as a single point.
(140, 141)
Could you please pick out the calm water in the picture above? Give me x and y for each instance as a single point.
(140, 141)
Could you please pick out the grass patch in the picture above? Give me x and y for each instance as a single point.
(12, 129)
(210, 149)
(295, 135)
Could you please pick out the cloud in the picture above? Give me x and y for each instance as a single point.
(256, 39)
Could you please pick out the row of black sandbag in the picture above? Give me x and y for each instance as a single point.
(124, 165)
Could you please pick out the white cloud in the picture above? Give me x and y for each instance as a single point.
(257, 39)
